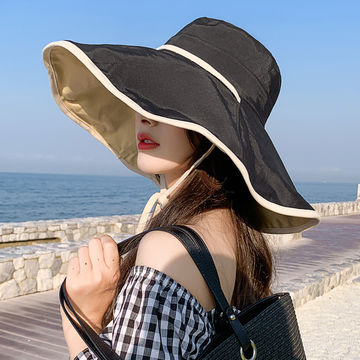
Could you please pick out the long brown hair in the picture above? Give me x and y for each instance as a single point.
(216, 184)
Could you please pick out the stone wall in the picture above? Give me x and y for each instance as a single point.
(32, 272)
(67, 230)
(36, 265)
(338, 208)
(28, 269)
(42, 266)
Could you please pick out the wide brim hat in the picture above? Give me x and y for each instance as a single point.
(211, 77)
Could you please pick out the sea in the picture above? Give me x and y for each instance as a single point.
(30, 197)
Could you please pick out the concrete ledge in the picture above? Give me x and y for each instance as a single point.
(320, 282)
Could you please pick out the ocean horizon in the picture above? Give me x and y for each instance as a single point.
(34, 196)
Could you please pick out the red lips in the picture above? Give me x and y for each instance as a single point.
(146, 142)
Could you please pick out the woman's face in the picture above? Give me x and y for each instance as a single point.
(162, 148)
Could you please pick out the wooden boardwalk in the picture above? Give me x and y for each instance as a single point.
(30, 326)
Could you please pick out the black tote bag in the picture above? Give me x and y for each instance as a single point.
(267, 329)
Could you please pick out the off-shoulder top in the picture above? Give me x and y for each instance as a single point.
(156, 318)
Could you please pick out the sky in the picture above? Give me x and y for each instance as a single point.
(315, 124)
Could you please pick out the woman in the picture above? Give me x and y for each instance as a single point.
(200, 104)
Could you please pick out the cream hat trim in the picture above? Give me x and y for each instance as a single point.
(305, 213)
(203, 64)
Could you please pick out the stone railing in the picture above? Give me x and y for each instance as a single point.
(337, 208)
(34, 254)
(28, 269)
(69, 230)
(66, 230)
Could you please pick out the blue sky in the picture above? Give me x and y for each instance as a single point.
(315, 124)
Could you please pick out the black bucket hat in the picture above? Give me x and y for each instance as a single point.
(211, 77)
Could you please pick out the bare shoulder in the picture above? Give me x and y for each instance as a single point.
(160, 250)
(164, 252)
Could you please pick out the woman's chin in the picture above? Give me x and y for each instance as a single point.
(156, 167)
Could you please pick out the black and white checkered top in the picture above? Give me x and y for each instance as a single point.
(156, 318)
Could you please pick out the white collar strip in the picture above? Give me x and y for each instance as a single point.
(203, 64)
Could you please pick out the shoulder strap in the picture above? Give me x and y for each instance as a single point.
(202, 258)
(199, 252)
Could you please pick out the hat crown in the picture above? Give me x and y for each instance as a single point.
(239, 57)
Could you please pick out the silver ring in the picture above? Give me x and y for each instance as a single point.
(253, 357)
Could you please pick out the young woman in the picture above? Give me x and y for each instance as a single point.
(190, 115)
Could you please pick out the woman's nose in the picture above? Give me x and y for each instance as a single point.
(148, 122)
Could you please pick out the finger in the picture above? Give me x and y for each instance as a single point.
(73, 267)
(84, 259)
(96, 253)
(111, 253)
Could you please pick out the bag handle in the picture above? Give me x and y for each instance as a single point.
(102, 350)
(199, 252)
(203, 260)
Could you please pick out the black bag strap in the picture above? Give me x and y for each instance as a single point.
(199, 252)
(204, 261)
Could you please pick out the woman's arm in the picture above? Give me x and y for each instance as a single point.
(74, 343)
(90, 285)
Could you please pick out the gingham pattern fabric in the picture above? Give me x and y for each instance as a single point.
(156, 318)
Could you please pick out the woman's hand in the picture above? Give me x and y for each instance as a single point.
(91, 279)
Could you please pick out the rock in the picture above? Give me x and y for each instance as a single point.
(92, 231)
(7, 231)
(72, 225)
(77, 234)
(42, 228)
(33, 236)
(59, 234)
(5, 238)
(9, 289)
(19, 275)
(69, 235)
(63, 226)
(24, 236)
(53, 227)
(57, 280)
(55, 267)
(18, 263)
(65, 256)
(44, 280)
(28, 286)
(100, 229)
(46, 260)
(63, 269)
(117, 227)
(19, 230)
(6, 271)
(31, 268)
(13, 237)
